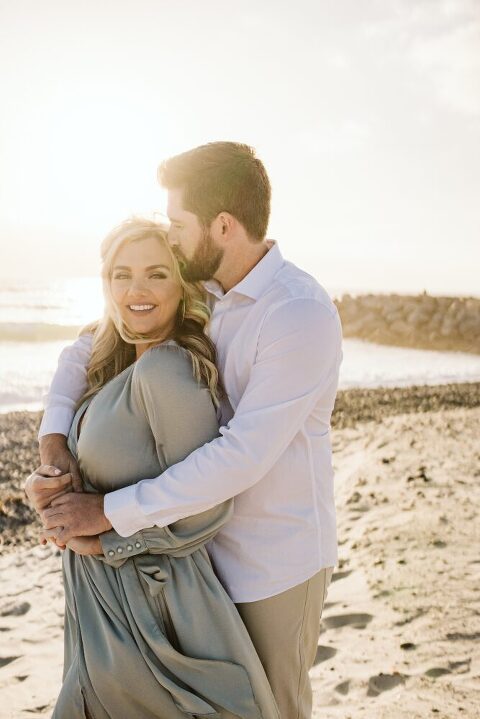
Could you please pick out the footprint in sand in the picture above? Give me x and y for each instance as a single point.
(15, 609)
(383, 683)
(324, 653)
(343, 688)
(34, 710)
(357, 621)
(328, 605)
(341, 575)
(461, 667)
(462, 636)
(435, 672)
(7, 660)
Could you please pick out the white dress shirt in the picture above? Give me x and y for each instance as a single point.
(278, 338)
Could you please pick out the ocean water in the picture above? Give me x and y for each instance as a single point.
(38, 320)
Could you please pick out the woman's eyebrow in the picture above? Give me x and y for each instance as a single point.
(150, 267)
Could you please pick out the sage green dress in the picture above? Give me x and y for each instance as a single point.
(150, 633)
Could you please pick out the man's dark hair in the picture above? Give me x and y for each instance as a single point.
(221, 177)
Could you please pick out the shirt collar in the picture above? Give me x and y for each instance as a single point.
(258, 279)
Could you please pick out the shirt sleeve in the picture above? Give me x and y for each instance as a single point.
(297, 362)
(68, 385)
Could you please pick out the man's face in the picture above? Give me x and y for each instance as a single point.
(197, 251)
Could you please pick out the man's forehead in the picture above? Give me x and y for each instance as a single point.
(174, 203)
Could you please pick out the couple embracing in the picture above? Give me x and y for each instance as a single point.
(186, 462)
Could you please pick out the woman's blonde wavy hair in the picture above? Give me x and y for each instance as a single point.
(113, 347)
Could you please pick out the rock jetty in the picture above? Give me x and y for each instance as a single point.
(422, 321)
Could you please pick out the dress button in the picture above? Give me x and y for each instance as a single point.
(120, 550)
(129, 547)
(111, 553)
(138, 545)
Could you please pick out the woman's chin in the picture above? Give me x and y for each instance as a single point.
(148, 329)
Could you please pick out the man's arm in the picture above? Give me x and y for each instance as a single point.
(68, 385)
(297, 363)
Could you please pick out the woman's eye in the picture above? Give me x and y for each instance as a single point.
(120, 276)
(158, 276)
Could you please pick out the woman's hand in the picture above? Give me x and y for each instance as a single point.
(80, 545)
(85, 545)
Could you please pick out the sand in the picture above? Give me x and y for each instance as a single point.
(401, 627)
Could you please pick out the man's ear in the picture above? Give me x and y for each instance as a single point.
(223, 227)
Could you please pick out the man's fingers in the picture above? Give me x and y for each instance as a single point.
(64, 498)
(53, 519)
(51, 522)
(49, 533)
(41, 482)
(48, 470)
(77, 482)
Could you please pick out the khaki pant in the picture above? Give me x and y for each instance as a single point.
(285, 631)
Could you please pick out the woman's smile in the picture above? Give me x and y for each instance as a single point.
(141, 309)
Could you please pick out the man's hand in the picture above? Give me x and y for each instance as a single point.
(80, 515)
(46, 484)
(54, 452)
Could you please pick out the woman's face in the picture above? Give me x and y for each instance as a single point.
(144, 287)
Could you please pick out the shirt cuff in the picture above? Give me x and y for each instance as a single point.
(116, 547)
(121, 509)
(56, 420)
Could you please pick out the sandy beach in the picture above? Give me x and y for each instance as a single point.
(401, 627)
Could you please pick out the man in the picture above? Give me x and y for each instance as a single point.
(278, 339)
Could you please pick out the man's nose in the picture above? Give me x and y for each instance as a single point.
(172, 239)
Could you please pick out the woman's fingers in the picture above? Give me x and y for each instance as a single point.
(50, 535)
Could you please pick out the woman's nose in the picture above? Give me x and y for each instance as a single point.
(137, 286)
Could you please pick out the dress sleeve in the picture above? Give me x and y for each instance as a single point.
(179, 409)
(182, 418)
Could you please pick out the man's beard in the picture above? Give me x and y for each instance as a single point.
(204, 263)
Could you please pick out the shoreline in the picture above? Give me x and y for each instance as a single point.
(19, 525)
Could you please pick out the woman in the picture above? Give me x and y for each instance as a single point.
(149, 631)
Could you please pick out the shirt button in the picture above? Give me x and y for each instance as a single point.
(138, 545)
(129, 547)
(120, 550)
(111, 553)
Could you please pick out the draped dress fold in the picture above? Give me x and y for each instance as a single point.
(150, 633)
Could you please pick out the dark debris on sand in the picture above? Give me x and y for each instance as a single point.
(354, 406)
(19, 453)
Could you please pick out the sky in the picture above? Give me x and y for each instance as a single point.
(365, 113)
